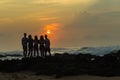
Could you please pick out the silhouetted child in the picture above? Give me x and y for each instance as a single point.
(47, 46)
(24, 44)
(36, 42)
(42, 48)
(30, 45)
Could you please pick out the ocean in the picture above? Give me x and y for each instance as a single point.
(99, 51)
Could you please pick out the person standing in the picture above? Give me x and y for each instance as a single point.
(42, 48)
(36, 42)
(47, 46)
(30, 45)
(24, 44)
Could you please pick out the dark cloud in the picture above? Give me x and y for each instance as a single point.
(108, 21)
(1, 35)
(105, 5)
(96, 28)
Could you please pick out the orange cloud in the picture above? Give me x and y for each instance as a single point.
(45, 18)
(52, 31)
(53, 26)
(5, 20)
(62, 1)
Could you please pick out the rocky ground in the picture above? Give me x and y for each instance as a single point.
(66, 64)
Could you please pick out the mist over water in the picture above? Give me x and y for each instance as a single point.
(99, 51)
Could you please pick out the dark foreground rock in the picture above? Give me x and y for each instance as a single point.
(66, 65)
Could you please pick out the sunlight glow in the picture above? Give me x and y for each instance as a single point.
(64, 1)
(48, 31)
(51, 28)
(52, 31)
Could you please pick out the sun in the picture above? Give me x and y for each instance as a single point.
(48, 31)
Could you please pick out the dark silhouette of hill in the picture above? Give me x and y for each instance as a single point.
(66, 65)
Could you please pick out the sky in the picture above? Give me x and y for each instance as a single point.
(68, 23)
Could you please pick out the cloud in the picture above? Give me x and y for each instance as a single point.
(53, 26)
(6, 20)
(63, 1)
(95, 27)
(14, 1)
(1, 34)
(97, 20)
(5, 1)
(48, 18)
(105, 5)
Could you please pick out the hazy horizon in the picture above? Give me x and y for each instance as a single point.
(71, 23)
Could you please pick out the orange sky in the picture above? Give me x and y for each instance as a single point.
(71, 23)
(51, 30)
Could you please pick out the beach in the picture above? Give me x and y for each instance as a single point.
(32, 76)
(62, 67)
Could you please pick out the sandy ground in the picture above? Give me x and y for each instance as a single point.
(31, 76)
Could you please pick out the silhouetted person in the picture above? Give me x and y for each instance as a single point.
(42, 48)
(24, 44)
(36, 42)
(47, 46)
(30, 45)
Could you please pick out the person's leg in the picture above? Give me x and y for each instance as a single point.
(49, 51)
(41, 53)
(26, 52)
(45, 52)
(31, 52)
(37, 52)
(34, 51)
(23, 52)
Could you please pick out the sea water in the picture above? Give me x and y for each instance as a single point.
(100, 51)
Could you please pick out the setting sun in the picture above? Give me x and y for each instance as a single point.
(48, 31)
(51, 28)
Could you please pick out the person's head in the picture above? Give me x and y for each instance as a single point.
(36, 38)
(45, 35)
(41, 37)
(25, 34)
(30, 36)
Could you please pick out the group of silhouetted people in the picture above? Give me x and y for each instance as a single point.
(35, 47)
